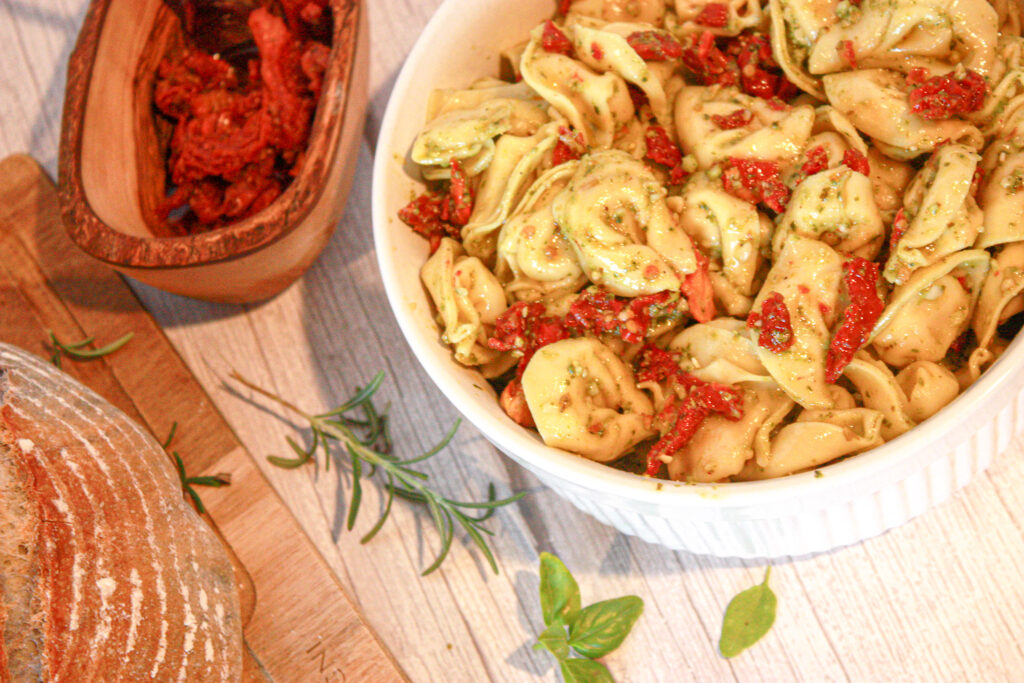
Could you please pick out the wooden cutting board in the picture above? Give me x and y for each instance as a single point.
(299, 623)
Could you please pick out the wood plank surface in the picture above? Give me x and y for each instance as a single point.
(299, 624)
(938, 599)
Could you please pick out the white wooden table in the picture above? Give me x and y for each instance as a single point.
(938, 599)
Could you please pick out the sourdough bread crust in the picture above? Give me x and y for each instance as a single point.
(107, 573)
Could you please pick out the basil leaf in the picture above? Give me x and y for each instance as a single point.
(585, 671)
(559, 593)
(601, 627)
(748, 618)
(553, 639)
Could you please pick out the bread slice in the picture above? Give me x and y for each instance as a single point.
(107, 574)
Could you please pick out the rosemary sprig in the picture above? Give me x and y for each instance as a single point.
(187, 482)
(80, 351)
(367, 443)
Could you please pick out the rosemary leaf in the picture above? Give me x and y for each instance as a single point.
(79, 350)
(187, 482)
(366, 441)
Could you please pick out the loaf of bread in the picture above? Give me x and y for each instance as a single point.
(107, 574)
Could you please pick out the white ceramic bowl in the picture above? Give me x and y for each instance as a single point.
(853, 500)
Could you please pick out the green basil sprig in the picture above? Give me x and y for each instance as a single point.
(748, 618)
(591, 632)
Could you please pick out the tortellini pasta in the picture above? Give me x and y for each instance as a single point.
(583, 398)
(596, 104)
(737, 240)
(775, 134)
(613, 212)
(468, 298)
(875, 101)
(942, 216)
(836, 207)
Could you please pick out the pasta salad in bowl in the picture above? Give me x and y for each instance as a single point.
(741, 277)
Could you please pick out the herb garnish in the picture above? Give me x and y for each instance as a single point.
(592, 631)
(188, 482)
(78, 350)
(366, 441)
(748, 618)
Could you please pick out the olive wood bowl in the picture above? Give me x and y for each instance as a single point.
(112, 166)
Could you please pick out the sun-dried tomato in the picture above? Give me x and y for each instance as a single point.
(179, 81)
(253, 191)
(423, 215)
(568, 147)
(598, 311)
(460, 195)
(655, 46)
(776, 330)
(847, 52)
(513, 402)
(237, 143)
(524, 328)
(917, 75)
(697, 289)
(655, 365)
(303, 15)
(759, 74)
(860, 278)
(638, 96)
(596, 51)
(745, 60)
(737, 119)
(661, 150)
(899, 227)
(314, 61)
(942, 97)
(563, 7)
(703, 57)
(714, 14)
(682, 417)
(817, 161)
(856, 161)
(960, 342)
(756, 181)
(553, 40)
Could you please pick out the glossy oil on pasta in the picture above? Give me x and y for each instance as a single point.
(726, 241)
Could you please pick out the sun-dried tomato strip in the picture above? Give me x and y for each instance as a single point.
(817, 161)
(917, 75)
(698, 291)
(745, 60)
(524, 328)
(682, 417)
(776, 330)
(553, 40)
(662, 150)
(423, 215)
(714, 14)
(568, 148)
(756, 181)
(655, 46)
(899, 227)
(736, 119)
(598, 311)
(942, 97)
(563, 7)
(856, 161)
(460, 194)
(860, 278)
(513, 402)
(847, 52)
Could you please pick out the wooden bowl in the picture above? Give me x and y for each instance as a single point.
(112, 162)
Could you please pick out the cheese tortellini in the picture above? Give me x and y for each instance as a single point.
(730, 241)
